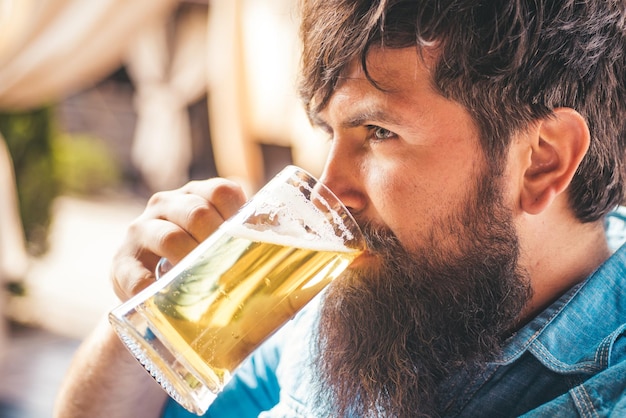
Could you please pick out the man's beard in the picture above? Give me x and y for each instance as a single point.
(389, 335)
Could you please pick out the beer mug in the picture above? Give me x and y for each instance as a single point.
(194, 326)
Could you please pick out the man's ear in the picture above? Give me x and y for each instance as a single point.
(560, 143)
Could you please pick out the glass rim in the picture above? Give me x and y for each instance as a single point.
(354, 227)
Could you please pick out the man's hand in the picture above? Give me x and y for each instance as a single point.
(173, 224)
(104, 380)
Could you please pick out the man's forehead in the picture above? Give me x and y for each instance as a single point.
(390, 72)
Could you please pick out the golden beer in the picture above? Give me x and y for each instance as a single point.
(220, 309)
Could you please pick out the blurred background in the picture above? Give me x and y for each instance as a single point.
(102, 103)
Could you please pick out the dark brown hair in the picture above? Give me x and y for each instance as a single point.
(507, 62)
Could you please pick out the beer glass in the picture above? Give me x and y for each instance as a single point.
(195, 325)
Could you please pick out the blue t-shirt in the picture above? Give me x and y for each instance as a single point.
(569, 361)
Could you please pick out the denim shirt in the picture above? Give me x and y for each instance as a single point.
(569, 361)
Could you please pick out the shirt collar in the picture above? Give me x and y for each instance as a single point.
(568, 333)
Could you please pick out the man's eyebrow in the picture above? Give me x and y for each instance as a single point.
(372, 116)
(359, 119)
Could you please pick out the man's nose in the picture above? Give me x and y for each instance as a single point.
(342, 175)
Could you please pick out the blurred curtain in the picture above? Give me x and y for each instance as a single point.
(168, 67)
(253, 58)
(271, 57)
(13, 259)
(49, 49)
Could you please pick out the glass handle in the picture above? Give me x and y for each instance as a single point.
(162, 267)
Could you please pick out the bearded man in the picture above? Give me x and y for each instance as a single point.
(480, 145)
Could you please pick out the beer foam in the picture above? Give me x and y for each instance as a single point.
(308, 241)
(300, 209)
(288, 217)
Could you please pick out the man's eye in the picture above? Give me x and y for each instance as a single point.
(379, 133)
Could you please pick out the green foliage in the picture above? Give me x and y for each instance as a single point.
(28, 136)
(48, 164)
(84, 165)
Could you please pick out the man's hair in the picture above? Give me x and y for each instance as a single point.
(507, 62)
